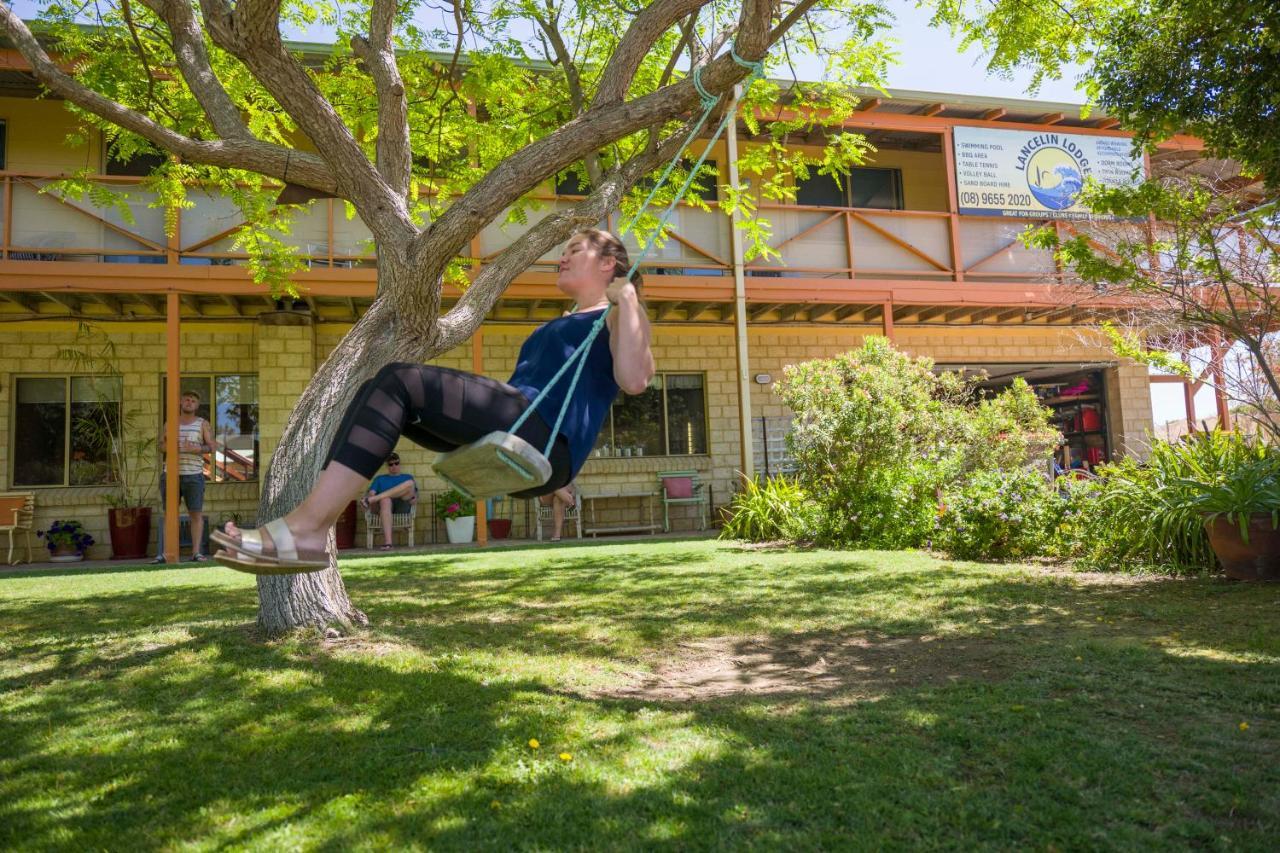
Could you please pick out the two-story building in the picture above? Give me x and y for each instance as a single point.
(921, 245)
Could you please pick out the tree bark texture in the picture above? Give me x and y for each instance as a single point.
(319, 599)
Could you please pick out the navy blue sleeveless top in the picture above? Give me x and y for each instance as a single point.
(545, 352)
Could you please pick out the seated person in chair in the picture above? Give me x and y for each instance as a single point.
(390, 494)
(559, 501)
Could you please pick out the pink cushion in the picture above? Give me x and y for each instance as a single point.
(678, 487)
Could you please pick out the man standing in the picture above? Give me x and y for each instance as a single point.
(390, 493)
(195, 438)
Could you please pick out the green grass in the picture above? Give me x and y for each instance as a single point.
(970, 706)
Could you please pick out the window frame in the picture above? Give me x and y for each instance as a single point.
(608, 430)
(212, 402)
(846, 187)
(66, 431)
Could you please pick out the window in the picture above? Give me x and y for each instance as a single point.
(668, 419)
(704, 186)
(139, 166)
(62, 428)
(864, 187)
(572, 182)
(229, 402)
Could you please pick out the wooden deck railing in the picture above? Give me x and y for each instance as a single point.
(40, 223)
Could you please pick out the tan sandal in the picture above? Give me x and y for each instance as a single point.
(250, 553)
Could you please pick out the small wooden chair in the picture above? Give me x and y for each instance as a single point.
(572, 515)
(17, 512)
(399, 521)
(683, 488)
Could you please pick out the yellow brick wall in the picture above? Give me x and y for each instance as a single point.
(29, 349)
(285, 356)
(286, 363)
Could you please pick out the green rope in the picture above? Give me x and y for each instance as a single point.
(578, 360)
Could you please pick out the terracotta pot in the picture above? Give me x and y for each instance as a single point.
(130, 532)
(1256, 560)
(344, 531)
(499, 528)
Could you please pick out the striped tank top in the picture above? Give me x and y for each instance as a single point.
(190, 463)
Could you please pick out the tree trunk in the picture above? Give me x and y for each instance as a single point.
(319, 599)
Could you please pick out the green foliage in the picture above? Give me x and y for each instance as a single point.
(1213, 276)
(1210, 68)
(878, 436)
(483, 89)
(1204, 67)
(454, 504)
(1152, 515)
(998, 515)
(767, 511)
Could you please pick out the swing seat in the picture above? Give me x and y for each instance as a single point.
(498, 464)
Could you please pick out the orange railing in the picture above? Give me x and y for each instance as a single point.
(813, 242)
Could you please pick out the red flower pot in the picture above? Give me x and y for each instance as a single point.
(344, 530)
(1255, 560)
(499, 528)
(130, 529)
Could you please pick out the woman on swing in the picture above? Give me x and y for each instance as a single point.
(442, 409)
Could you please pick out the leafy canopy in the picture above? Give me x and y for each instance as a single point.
(486, 79)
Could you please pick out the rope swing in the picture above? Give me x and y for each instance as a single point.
(502, 462)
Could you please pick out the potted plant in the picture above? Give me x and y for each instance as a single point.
(66, 540)
(459, 514)
(1238, 493)
(499, 528)
(102, 429)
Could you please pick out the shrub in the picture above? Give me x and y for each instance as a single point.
(998, 515)
(66, 534)
(877, 437)
(1151, 515)
(763, 512)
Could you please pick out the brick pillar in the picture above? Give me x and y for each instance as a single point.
(1129, 405)
(286, 362)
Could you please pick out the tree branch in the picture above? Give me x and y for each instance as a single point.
(640, 37)
(273, 161)
(540, 159)
(187, 40)
(487, 288)
(251, 33)
(394, 154)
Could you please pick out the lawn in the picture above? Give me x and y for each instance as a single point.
(690, 695)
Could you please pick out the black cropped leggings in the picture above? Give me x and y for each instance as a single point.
(439, 409)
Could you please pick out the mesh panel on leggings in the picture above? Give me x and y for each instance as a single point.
(439, 409)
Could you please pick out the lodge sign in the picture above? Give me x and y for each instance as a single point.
(1036, 175)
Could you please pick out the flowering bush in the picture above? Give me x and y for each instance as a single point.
(998, 515)
(66, 534)
(878, 436)
(453, 504)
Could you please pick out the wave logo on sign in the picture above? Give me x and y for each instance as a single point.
(1055, 169)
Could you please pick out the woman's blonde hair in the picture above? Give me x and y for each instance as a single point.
(610, 246)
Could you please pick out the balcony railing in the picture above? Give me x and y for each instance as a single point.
(813, 242)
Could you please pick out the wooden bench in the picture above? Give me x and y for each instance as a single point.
(589, 497)
(17, 513)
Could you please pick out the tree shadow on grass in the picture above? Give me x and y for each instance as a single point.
(1089, 728)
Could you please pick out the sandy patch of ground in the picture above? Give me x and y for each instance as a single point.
(862, 664)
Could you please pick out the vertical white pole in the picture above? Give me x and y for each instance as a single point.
(740, 304)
